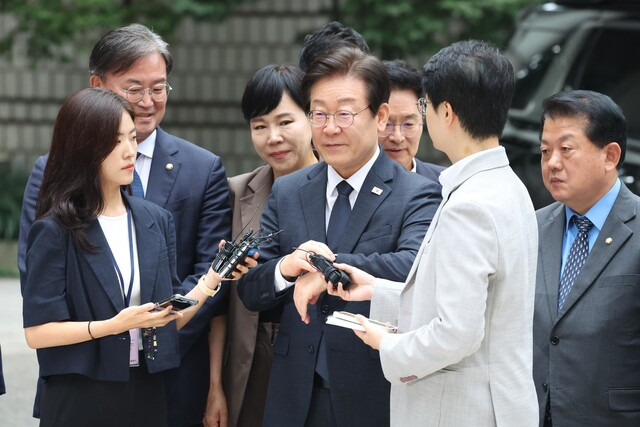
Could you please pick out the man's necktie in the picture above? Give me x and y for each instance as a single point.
(339, 215)
(337, 224)
(577, 256)
(136, 185)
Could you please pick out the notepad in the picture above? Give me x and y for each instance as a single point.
(345, 319)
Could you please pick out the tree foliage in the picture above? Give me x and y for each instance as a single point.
(49, 24)
(405, 28)
(394, 29)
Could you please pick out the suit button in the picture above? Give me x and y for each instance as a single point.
(545, 387)
(555, 340)
(310, 349)
(324, 309)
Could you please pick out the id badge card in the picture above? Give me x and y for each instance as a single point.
(134, 354)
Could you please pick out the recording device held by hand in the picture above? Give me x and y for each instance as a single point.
(331, 273)
(177, 302)
(233, 253)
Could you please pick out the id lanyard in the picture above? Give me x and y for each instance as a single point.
(126, 294)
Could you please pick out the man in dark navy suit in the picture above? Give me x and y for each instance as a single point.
(321, 375)
(175, 174)
(401, 137)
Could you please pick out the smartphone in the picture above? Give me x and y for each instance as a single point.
(178, 303)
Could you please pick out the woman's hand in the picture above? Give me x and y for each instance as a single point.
(142, 316)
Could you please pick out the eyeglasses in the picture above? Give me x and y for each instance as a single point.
(422, 105)
(409, 129)
(158, 93)
(341, 118)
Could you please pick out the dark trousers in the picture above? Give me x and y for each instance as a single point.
(321, 411)
(255, 395)
(76, 400)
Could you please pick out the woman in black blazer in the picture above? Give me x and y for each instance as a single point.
(97, 260)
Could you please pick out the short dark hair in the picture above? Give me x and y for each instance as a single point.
(350, 62)
(332, 36)
(403, 76)
(478, 82)
(84, 134)
(605, 120)
(120, 49)
(264, 90)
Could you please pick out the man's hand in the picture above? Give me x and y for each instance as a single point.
(215, 415)
(296, 263)
(361, 287)
(372, 335)
(307, 290)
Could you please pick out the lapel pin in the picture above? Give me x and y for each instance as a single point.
(169, 166)
(608, 241)
(377, 191)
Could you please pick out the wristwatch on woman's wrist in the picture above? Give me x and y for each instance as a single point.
(207, 290)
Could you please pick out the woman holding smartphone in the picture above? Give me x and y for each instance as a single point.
(97, 260)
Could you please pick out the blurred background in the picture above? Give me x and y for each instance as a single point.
(218, 44)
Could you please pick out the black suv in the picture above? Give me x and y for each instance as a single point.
(565, 45)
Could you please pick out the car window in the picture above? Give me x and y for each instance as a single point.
(613, 71)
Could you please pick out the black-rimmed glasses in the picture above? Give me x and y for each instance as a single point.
(341, 118)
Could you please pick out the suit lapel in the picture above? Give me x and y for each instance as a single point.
(313, 199)
(147, 243)
(551, 236)
(257, 191)
(368, 201)
(102, 265)
(425, 241)
(161, 180)
(615, 228)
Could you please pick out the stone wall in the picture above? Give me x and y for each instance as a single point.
(213, 62)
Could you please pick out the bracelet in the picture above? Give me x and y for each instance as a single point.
(205, 289)
(89, 330)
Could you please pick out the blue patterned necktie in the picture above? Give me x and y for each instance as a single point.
(339, 215)
(577, 256)
(337, 223)
(136, 185)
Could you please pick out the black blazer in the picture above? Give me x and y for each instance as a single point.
(388, 222)
(65, 283)
(191, 183)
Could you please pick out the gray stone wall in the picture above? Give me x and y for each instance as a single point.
(213, 62)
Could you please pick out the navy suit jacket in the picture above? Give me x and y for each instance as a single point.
(66, 283)
(429, 170)
(195, 190)
(383, 235)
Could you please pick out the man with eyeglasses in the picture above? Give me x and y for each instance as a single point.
(358, 206)
(401, 137)
(177, 175)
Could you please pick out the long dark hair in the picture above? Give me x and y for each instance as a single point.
(85, 132)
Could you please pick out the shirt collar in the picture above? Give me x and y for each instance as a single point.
(356, 180)
(460, 171)
(147, 146)
(414, 165)
(600, 211)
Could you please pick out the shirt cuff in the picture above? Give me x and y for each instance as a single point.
(279, 281)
